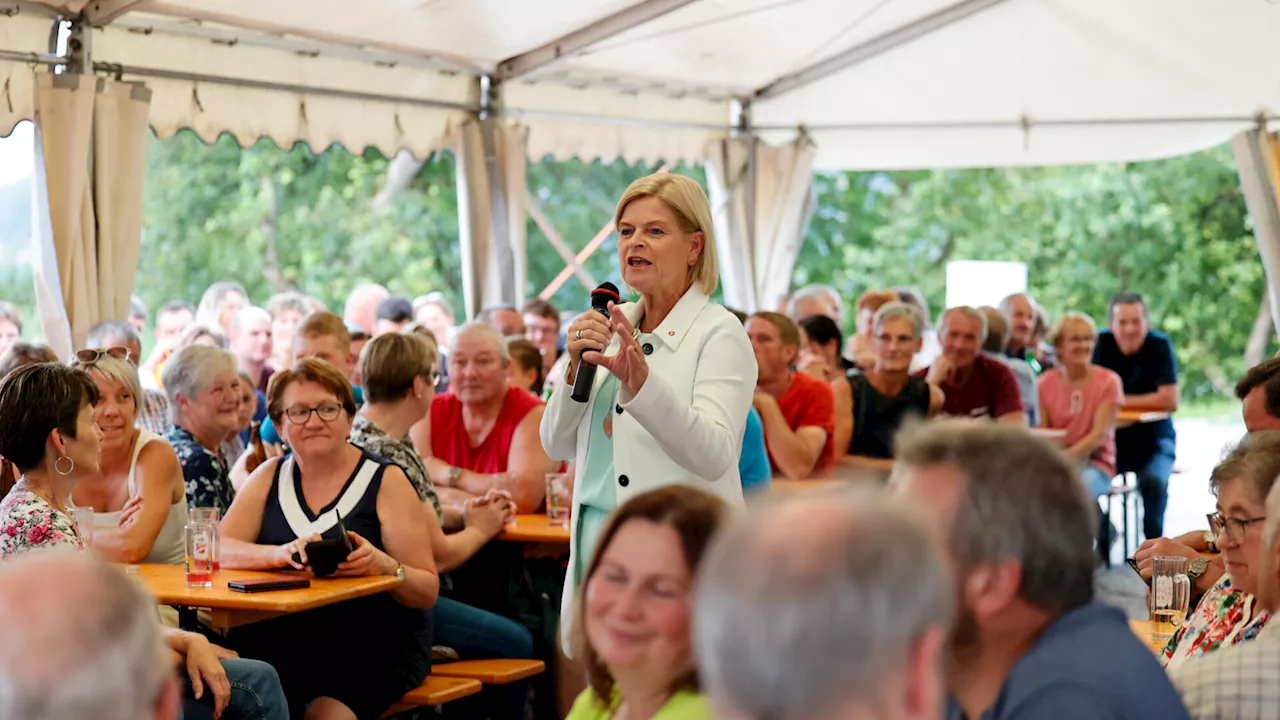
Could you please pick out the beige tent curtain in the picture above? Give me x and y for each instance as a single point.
(1257, 154)
(92, 140)
(760, 215)
(491, 212)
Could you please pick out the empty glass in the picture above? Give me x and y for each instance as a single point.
(559, 498)
(83, 517)
(1170, 596)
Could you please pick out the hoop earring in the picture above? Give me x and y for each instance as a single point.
(69, 470)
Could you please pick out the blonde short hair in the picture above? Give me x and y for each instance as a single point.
(1068, 318)
(118, 371)
(390, 363)
(689, 204)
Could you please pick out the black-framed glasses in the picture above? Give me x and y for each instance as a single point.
(92, 355)
(327, 412)
(1235, 527)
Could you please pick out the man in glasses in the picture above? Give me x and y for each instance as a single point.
(119, 340)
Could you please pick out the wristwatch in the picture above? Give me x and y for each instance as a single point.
(1197, 568)
(1210, 541)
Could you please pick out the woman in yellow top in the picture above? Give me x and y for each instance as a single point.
(632, 626)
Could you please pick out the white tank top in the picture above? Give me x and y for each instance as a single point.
(168, 548)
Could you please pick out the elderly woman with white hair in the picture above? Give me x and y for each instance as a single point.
(676, 376)
(137, 494)
(204, 402)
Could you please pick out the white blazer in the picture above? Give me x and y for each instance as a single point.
(684, 426)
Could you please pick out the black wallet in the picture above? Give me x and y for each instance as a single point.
(324, 556)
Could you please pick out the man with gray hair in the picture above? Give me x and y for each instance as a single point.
(975, 385)
(153, 407)
(80, 641)
(1030, 639)
(847, 589)
(1243, 681)
(886, 395)
(815, 300)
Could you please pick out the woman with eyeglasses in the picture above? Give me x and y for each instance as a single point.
(1229, 613)
(204, 409)
(138, 495)
(355, 658)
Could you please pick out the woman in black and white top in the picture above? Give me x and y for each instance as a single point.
(358, 657)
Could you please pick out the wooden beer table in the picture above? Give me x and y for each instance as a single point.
(1137, 416)
(534, 528)
(228, 609)
(1142, 628)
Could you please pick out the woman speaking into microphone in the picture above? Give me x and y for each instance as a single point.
(676, 373)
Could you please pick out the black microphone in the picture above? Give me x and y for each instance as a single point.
(600, 299)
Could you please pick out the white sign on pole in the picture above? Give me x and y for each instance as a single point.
(979, 282)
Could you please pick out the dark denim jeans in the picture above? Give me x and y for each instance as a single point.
(255, 694)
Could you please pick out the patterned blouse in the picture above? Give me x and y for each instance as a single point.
(1224, 617)
(28, 522)
(364, 434)
(205, 472)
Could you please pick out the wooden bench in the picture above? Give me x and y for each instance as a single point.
(491, 672)
(435, 690)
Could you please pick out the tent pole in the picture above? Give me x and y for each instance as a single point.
(500, 250)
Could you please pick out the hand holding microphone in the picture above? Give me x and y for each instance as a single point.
(591, 333)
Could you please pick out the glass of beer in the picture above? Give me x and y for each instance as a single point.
(199, 542)
(559, 498)
(1170, 596)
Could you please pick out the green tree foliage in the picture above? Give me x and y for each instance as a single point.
(1175, 230)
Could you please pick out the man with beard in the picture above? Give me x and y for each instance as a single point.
(1031, 641)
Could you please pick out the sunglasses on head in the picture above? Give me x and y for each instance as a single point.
(89, 357)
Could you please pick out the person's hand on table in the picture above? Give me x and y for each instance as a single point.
(488, 515)
(366, 560)
(283, 556)
(204, 666)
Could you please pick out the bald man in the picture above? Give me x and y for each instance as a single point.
(361, 309)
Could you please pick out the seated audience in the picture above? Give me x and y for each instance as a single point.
(137, 495)
(361, 308)
(47, 431)
(1241, 681)
(399, 386)
(220, 304)
(1144, 360)
(974, 385)
(930, 348)
(204, 409)
(1082, 399)
(814, 300)
(862, 344)
(359, 338)
(632, 627)
(881, 399)
(753, 462)
(251, 408)
(432, 311)
(172, 320)
(525, 370)
(1258, 392)
(862, 621)
(321, 335)
(507, 319)
(287, 311)
(287, 502)
(1229, 613)
(392, 315)
(484, 429)
(542, 328)
(138, 315)
(1031, 640)
(993, 347)
(797, 410)
(250, 340)
(153, 411)
(24, 353)
(1023, 315)
(820, 341)
(10, 325)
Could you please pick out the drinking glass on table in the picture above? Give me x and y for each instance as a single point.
(209, 516)
(199, 538)
(559, 498)
(83, 517)
(1170, 596)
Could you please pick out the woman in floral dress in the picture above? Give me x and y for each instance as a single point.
(1230, 613)
(47, 431)
(204, 405)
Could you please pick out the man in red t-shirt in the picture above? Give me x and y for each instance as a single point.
(798, 409)
(484, 429)
(975, 386)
